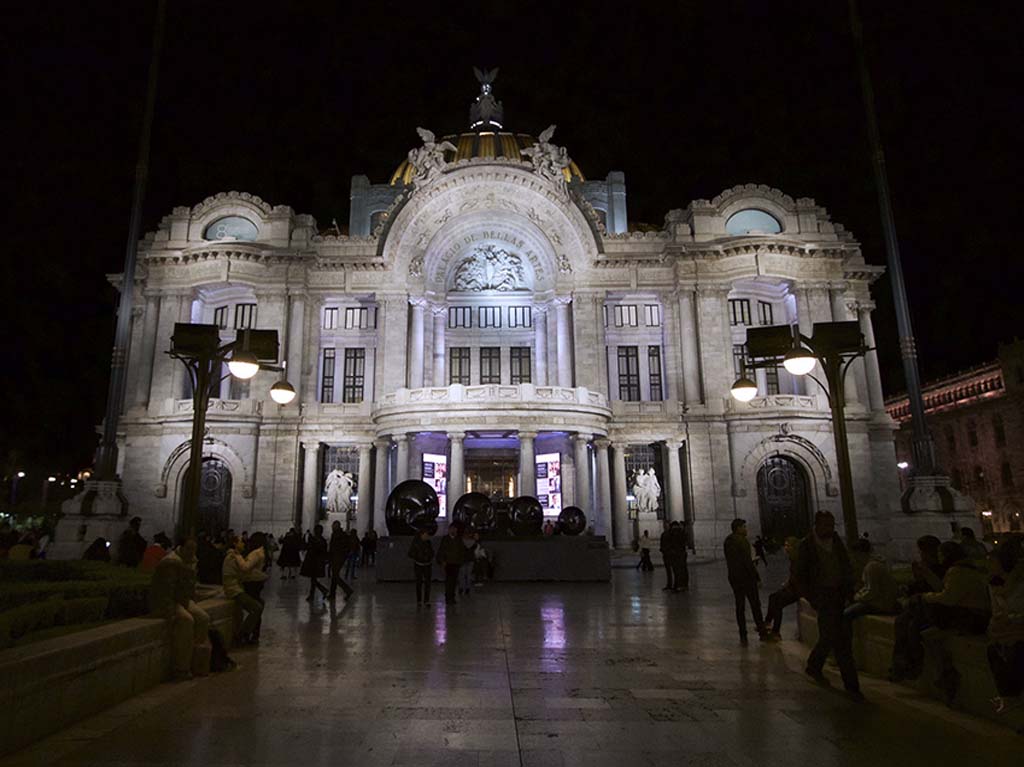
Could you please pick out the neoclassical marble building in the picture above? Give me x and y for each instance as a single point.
(489, 306)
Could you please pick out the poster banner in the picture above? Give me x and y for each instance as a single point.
(435, 474)
(549, 483)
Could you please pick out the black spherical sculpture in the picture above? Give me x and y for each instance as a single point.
(411, 508)
(572, 521)
(527, 515)
(474, 510)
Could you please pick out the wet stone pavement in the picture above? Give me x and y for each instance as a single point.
(540, 675)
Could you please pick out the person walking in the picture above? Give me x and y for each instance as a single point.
(675, 557)
(421, 552)
(131, 545)
(337, 555)
(644, 547)
(313, 564)
(744, 579)
(290, 559)
(667, 545)
(450, 555)
(825, 573)
(787, 595)
(354, 553)
(233, 573)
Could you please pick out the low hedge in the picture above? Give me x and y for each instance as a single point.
(53, 570)
(17, 622)
(26, 583)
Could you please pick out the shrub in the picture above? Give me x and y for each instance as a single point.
(15, 623)
(47, 570)
(87, 610)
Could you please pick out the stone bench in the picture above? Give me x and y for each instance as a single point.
(873, 640)
(49, 685)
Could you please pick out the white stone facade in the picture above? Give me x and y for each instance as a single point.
(594, 320)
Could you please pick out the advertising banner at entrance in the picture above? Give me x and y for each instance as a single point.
(549, 483)
(435, 474)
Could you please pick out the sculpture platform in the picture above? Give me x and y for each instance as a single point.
(556, 558)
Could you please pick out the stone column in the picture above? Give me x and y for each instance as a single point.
(671, 372)
(568, 480)
(146, 352)
(272, 313)
(675, 481)
(416, 342)
(527, 466)
(440, 325)
(164, 368)
(564, 341)
(805, 322)
(603, 507)
(456, 470)
(715, 345)
(392, 342)
(582, 461)
(296, 340)
(364, 508)
(875, 397)
(620, 505)
(401, 458)
(540, 345)
(689, 351)
(854, 381)
(310, 485)
(380, 484)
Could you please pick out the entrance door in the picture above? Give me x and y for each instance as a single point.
(214, 496)
(783, 498)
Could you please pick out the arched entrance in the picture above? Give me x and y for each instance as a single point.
(783, 498)
(214, 496)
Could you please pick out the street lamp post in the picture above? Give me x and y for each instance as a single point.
(834, 346)
(199, 348)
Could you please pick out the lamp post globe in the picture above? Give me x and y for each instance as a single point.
(799, 361)
(243, 365)
(744, 389)
(282, 392)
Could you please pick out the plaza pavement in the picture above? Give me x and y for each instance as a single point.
(539, 675)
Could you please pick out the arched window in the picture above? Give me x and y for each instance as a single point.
(231, 228)
(752, 221)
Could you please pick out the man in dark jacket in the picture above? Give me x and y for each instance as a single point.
(744, 579)
(673, 553)
(450, 555)
(421, 552)
(337, 553)
(131, 545)
(826, 577)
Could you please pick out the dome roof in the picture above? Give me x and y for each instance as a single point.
(484, 144)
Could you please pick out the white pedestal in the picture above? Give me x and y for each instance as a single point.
(99, 510)
(928, 507)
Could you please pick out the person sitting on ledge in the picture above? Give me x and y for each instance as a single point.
(962, 606)
(787, 595)
(1006, 629)
(877, 594)
(98, 551)
(154, 552)
(974, 548)
(172, 596)
(928, 571)
(234, 571)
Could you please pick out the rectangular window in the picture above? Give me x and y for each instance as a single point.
(458, 365)
(625, 316)
(764, 313)
(331, 318)
(490, 364)
(355, 375)
(356, 317)
(739, 311)
(520, 317)
(652, 315)
(490, 316)
(327, 376)
(771, 380)
(739, 360)
(460, 316)
(245, 316)
(519, 363)
(220, 317)
(629, 373)
(654, 372)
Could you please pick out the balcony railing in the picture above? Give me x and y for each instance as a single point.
(495, 394)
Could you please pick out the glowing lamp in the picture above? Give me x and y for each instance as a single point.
(799, 361)
(243, 365)
(282, 392)
(744, 390)
(21, 475)
(902, 465)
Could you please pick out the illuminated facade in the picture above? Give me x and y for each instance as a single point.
(489, 306)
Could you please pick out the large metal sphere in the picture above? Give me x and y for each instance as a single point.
(411, 507)
(474, 510)
(527, 516)
(572, 521)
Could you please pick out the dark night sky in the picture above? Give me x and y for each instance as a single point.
(287, 101)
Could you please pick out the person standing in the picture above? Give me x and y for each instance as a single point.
(760, 551)
(676, 555)
(667, 545)
(421, 552)
(354, 553)
(744, 579)
(337, 555)
(290, 559)
(644, 548)
(469, 542)
(131, 545)
(450, 555)
(313, 564)
(825, 573)
(233, 574)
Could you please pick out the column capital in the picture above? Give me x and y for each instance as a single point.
(364, 447)
(456, 436)
(400, 439)
(310, 444)
(602, 443)
(561, 301)
(418, 302)
(382, 443)
(540, 308)
(584, 438)
(527, 434)
(673, 443)
(438, 310)
(711, 290)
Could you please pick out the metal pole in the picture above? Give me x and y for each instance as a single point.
(201, 368)
(106, 454)
(923, 447)
(833, 364)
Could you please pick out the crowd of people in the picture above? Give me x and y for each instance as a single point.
(27, 543)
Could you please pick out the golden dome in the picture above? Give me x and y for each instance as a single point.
(485, 144)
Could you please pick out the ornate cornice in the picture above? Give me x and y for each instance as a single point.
(226, 198)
